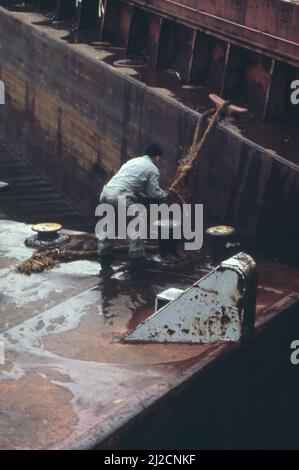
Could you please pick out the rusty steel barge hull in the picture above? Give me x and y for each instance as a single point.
(76, 109)
(78, 117)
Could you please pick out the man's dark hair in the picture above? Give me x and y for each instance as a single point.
(153, 150)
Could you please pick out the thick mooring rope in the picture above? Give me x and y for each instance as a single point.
(44, 259)
(196, 147)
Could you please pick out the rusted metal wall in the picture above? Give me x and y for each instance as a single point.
(267, 25)
(78, 119)
(242, 183)
(234, 68)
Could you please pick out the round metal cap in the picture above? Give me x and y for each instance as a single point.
(46, 227)
(221, 231)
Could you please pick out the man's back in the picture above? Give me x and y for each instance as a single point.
(130, 181)
(134, 177)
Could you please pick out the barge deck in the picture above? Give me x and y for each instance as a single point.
(69, 382)
(78, 104)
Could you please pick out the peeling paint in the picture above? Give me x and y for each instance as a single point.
(223, 304)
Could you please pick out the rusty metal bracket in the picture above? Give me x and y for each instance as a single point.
(220, 306)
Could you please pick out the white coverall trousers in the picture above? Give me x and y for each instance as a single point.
(136, 246)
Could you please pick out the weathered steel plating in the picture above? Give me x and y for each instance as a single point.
(221, 306)
(80, 129)
(239, 55)
(244, 51)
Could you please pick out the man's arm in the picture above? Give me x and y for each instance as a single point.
(153, 186)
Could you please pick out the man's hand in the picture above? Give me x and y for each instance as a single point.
(143, 198)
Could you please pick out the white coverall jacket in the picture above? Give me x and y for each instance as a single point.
(134, 177)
